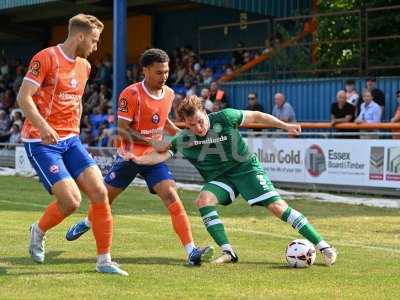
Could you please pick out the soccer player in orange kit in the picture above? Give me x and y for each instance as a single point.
(142, 117)
(51, 99)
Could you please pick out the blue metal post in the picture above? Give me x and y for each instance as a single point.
(119, 51)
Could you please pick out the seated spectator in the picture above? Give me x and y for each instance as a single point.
(218, 96)
(370, 111)
(177, 100)
(17, 117)
(86, 131)
(352, 96)
(283, 110)
(396, 117)
(190, 88)
(341, 110)
(253, 103)
(205, 96)
(378, 96)
(5, 122)
(15, 134)
(207, 76)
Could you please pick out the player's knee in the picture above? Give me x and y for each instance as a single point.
(204, 200)
(98, 193)
(169, 196)
(277, 208)
(71, 203)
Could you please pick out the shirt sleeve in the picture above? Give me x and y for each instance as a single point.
(39, 67)
(127, 104)
(234, 116)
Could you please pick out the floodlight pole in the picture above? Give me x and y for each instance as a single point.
(119, 52)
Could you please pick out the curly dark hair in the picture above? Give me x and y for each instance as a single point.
(152, 56)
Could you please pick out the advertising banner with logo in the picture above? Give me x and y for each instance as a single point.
(373, 163)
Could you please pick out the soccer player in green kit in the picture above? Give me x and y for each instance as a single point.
(213, 144)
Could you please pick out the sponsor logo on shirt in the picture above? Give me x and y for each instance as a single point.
(152, 131)
(211, 140)
(69, 97)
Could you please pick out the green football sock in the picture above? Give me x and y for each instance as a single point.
(214, 225)
(300, 223)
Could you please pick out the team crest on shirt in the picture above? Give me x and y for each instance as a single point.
(112, 175)
(54, 169)
(155, 118)
(34, 68)
(73, 83)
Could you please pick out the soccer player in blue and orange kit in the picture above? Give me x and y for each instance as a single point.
(51, 98)
(143, 110)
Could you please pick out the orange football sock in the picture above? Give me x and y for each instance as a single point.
(102, 226)
(52, 217)
(180, 222)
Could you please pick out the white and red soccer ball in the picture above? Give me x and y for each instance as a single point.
(300, 254)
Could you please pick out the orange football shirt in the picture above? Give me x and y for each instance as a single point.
(147, 114)
(61, 83)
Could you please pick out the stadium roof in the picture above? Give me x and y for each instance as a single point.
(5, 4)
(31, 18)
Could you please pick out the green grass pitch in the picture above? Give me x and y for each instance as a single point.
(368, 241)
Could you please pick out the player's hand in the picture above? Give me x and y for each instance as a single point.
(161, 146)
(48, 135)
(294, 129)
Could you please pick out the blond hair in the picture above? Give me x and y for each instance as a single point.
(189, 106)
(86, 23)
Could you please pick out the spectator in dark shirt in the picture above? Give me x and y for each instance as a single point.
(342, 111)
(378, 95)
(253, 102)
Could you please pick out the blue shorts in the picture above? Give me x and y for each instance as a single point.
(123, 172)
(68, 158)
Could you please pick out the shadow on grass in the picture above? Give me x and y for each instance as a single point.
(48, 273)
(53, 259)
(24, 194)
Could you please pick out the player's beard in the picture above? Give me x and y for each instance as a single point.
(81, 51)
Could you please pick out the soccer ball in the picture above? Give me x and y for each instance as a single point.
(300, 254)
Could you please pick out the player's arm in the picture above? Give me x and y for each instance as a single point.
(152, 158)
(171, 128)
(131, 135)
(257, 117)
(30, 85)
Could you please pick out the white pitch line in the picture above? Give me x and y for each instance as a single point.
(275, 235)
(230, 229)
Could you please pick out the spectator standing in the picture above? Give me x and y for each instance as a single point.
(218, 96)
(370, 112)
(205, 96)
(396, 117)
(254, 105)
(342, 111)
(378, 96)
(352, 96)
(282, 109)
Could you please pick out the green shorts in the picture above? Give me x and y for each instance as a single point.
(248, 179)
